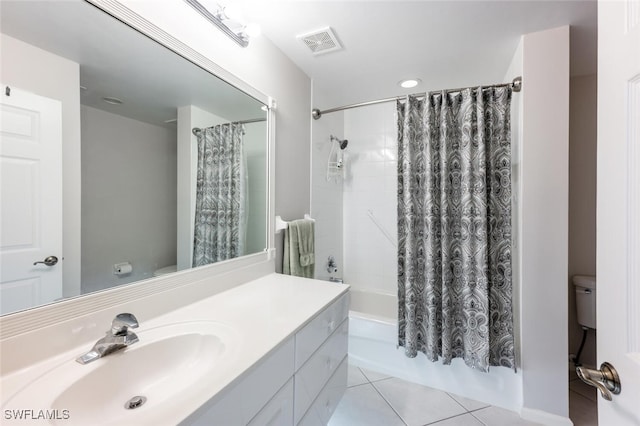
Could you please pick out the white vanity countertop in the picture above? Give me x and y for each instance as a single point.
(261, 314)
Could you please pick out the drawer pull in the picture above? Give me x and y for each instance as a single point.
(330, 325)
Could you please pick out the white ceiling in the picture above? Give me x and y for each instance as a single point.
(444, 43)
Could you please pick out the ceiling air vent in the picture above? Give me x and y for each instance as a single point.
(321, 41)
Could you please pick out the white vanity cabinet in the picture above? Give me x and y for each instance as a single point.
(321, 346)
(300, 382)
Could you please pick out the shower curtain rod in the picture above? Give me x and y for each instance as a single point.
(255, 120)
(516, 85)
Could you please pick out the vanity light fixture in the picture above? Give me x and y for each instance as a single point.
(228, 19)
(112, 101)
(409, 83)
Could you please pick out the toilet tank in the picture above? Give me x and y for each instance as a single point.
(585, 286)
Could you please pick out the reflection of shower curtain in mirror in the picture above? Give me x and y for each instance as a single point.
(220, 219)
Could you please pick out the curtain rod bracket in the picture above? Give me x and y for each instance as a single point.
(517, 84)
(316, 113)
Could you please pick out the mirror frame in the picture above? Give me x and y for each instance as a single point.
(14, 324)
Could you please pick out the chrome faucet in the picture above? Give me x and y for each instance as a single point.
(119, 337)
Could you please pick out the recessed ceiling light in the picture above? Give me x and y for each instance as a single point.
(112, 101)
(409, 83)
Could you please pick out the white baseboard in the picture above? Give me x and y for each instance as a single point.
(544, 418)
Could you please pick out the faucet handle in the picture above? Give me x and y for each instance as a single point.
(122, 322)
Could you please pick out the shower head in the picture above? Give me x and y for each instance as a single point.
(341, 143)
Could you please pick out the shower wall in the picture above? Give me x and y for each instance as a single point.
(370, 192)
(356, 214)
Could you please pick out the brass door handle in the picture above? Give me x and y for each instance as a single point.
(49, 261)
(606, 379)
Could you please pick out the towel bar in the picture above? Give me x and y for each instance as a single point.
(283, 224)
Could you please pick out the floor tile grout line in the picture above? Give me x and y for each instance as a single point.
(448, 418)
(457, 402)
(389, 404)
(372, 381)
(475, 417)
(382, 380)
(358, 385)
(364, 375)
(478, 409)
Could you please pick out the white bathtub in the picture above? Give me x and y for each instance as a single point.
(373, 345)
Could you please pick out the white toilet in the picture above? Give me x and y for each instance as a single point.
(165, 270)
(585, 300)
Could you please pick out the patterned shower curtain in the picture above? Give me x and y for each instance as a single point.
(454, 227)
(220, 219)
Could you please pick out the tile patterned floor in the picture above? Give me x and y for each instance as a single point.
(374, 399)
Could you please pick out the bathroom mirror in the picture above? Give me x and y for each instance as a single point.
(124, 108)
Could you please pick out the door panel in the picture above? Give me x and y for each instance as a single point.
(30, 199)
(618, 222)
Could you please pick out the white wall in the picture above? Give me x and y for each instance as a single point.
(129, 198)
(326, 195)
(582, 201)
(264, 67)
(515, 70)
(544, 204)
(38, 71)
(255, 150)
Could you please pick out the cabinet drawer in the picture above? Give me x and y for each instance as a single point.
(242, 402)
(323, 407)
(314, 374)
(313, 334)
(278, 411)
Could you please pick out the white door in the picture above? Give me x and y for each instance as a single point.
(30, 199)
(618, 214)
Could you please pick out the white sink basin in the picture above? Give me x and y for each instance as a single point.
(170, 365)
